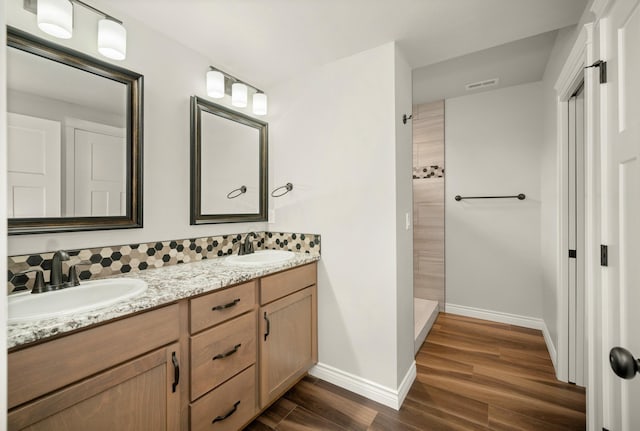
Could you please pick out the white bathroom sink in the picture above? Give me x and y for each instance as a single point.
(261, 257)
(90, 295)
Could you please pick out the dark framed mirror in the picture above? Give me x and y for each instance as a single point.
(228, 165)
(74, 138)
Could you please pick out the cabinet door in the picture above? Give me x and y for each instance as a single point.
(288, 342)
(138, 395)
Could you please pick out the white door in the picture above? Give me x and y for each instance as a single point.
(33, 167)
(620, 36)
(576, 225)
(100, 169)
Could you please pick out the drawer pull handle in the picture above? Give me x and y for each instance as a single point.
(176, 371)
(229, 353)
(266, 334)
(225, 306)
(232, 411)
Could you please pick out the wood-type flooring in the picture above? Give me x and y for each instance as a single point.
(471, 375)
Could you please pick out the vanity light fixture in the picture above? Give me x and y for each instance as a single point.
(239, 94)
(215, 84)
(112, 39)
(217, 88)
(260, 103)
(55, 17)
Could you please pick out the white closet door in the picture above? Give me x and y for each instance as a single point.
(33, 166)
(620, 37)
(576, 225)
(100, 169)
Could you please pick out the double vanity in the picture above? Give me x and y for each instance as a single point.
(207, 346)
(207, 339)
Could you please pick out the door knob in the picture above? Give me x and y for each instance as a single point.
(623, 363)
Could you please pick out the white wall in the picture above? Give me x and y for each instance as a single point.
(172, 73)
(58, 110)
(492, 247)
(404, 209)
(549, 182)
(333, 135)
(3, 219)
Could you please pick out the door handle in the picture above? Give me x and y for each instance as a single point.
(623, 363)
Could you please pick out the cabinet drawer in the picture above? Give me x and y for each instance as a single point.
(232, 344)
(276, 286)
(217, 307)
(231, 405)
(40, 369)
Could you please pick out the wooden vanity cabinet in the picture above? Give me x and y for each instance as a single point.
(114, 376)
(223, 354)
(288, 330)
(242, 347)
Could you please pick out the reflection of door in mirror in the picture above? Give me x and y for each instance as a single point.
(33, 162)
(89, 144)
(95, 169)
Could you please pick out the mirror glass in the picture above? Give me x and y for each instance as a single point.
(228, 168)
(73, 135)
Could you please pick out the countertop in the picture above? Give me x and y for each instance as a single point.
(165, 285)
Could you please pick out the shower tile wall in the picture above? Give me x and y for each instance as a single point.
(428, 201)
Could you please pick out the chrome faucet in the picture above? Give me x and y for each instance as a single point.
(247, 246)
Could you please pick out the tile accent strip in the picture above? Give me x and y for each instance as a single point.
(103, 262)
(433, 171)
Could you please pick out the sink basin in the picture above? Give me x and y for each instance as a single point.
(90, 295)
(261, 257)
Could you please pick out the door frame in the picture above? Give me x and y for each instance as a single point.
(582, 55)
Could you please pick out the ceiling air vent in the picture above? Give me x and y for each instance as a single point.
(482, 84)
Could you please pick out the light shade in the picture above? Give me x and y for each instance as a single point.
(112, 39)
(260, 104)
(215, 84)
(239, 95)
(55, 17)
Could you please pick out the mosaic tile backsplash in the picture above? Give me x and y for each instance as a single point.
(433, 171)
(102, 262)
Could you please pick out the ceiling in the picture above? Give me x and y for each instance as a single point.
(267, 41)
(512, 63)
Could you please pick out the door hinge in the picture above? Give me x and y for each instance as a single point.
(602, 66)
(604, 255)
(572, 254)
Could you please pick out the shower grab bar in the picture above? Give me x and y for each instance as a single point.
(521, 197)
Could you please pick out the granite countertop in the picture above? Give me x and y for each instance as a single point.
(165, 285)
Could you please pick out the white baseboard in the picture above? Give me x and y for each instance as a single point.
(368, 389)
(510, 319)
(550, 346)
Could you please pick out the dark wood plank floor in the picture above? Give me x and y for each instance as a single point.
(472, 375)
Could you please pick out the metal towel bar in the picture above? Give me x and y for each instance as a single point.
(521, 197)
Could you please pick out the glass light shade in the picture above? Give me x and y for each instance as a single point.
(260, 104)
(239, 95)
(215, 84)
(112, 39)
(55, 17)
